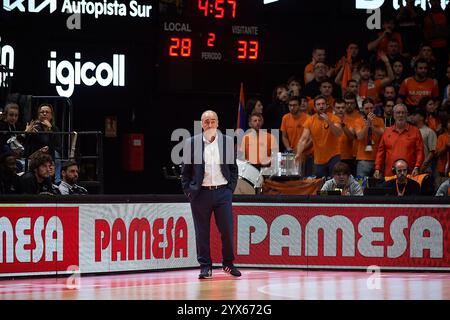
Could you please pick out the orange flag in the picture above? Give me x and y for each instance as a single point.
(347, 73)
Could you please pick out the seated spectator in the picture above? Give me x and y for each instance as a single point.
(343, 181)
(43, 123)
(69, 179)
(401, 185)
(443, 152)
(38, 179)
(9, 180)
(443, 189)
(11, 141)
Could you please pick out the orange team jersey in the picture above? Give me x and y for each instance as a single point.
(442, 140)
(308, 69)
(257, 148)
(361, 154)
(346, 143)
(325, 143)
(393, 145)
(312, 110)
(412, 91)
(355, 115)
(370, 89)
(293, 127)
(432, 122)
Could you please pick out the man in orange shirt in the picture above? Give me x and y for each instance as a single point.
(400, 141)
(257, 145)
(348, 136)
(368, 132)
(326, 90)
(415, 88)
(319, 55)
(324, 130)
(292, 129)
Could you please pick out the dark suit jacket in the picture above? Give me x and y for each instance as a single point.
(193, 169)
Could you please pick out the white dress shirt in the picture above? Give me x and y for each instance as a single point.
(213, 173)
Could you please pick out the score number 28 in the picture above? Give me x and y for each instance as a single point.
(182, 47)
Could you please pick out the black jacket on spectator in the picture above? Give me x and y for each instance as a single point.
(9, 184)
(4, 126)
(34, 142)
(30, 185)
(312, 90)
(412, 187)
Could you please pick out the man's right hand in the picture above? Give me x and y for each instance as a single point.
(377, 174)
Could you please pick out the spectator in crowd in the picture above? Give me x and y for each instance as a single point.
(324, 130)
(312, 88)
(257, 145)
(368, 131)
(393, 53)
(400, 141)
(436, 34)
(352, 88)
(319, 55)
(443, 152)
(432, 119)
(444, 189)
(9, 180)
(253, 106)
(429, 140)
(409, 21)
(69, 179)
(388, 113)
(292, 123)
(343, 181)
(11, 141)
(446, 95)
(38, 179)
(353, 53)
(326, 90)
(401, 185)
(426, 53)
(416, 87)
(369, 88)
(278, 108)
(294, 86)
(388, 93)
(345, 113)
(292, 127)
(43, 123)
(380, 44)
(399, 74)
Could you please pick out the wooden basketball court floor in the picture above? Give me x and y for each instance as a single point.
(255, 284)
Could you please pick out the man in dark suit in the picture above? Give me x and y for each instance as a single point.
(209, 177)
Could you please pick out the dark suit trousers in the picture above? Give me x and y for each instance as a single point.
(203, 205)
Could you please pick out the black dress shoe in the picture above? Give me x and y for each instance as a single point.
(232, 270)
(205, 272)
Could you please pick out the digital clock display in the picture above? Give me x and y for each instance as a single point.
(213, 30)
(219, 9)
